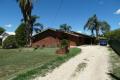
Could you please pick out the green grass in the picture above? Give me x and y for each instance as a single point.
(19, 60)
(115, 61)
(23, 64)
(42, 70)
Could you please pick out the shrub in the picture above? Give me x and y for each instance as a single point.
(64, 47)
(115, 34)
(10, 42)
(64, 43)
(114, 40)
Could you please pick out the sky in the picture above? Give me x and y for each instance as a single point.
(53, 13)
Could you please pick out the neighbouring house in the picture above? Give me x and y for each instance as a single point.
(4, 35)
(53, 37)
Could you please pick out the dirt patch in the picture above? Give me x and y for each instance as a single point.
(80, 67)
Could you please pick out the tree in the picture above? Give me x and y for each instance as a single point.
(65, 27)
(29, 20)
(93, 25)
(115, 34)
(26, 7)
(105, 27)
(21, 35)
(37, 27)
(2, 30)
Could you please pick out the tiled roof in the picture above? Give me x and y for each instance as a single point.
(70, 33)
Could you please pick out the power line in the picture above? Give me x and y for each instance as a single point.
(58, 10)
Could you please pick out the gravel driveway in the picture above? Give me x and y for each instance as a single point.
(91, 64)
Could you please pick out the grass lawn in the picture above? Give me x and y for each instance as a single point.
(17, 62)
(115, 61)
(13, 61)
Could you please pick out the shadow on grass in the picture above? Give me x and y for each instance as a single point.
(114, 76)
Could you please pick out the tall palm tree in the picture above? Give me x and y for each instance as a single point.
(93, 25)
(26, 7)
(105, 27)
(65, 27)
(37, 27)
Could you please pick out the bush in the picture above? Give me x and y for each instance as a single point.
(115, 34)
(114, 40)
(10, 42)
(64, 43)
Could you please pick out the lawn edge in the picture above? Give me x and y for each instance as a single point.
(48, 67)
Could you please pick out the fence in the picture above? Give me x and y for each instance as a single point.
(115, 44)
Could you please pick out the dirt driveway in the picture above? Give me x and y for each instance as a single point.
(91, 64)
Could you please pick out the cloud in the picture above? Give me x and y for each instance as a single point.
(8, 25)
(119, 23)
(11, 33)
(79, 31)
(117, 12)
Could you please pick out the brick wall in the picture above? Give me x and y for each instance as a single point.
(47, 42)
(51, 38)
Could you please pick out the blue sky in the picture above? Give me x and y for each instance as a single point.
(55, 12)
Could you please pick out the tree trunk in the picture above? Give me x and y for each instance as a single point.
(28, 34)
(30, 39)
(96, 34)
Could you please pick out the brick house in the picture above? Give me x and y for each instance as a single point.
(4, 35)
(52, 38)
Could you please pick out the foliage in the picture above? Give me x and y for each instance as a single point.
(64, 43)
(65, 27)
(43, 69)
(105, 27)
(21, 35)
(10, 42)
(93, 24)
(115, 34)
(37, 27)
(114, 39)
(26, 7)
(2, 30)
